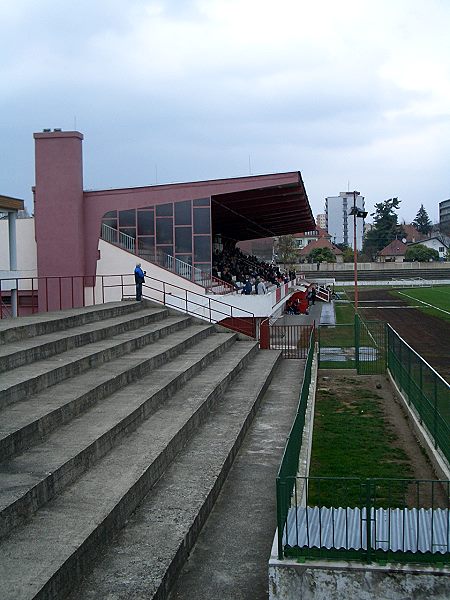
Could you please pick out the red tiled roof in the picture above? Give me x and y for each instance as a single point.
(395, 248)
(321, 243)
(412, 235)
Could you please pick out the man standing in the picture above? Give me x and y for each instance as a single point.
(260, 287)
(139, 278)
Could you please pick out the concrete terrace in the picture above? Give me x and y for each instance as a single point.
(122, 428)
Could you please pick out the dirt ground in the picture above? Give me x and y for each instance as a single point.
(428, 335)
(396, 421)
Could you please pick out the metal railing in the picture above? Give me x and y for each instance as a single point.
(404, 520)
(198, 305)
(116, 237)
(289, 462)
(45, 294)
(423, 388)
(370, 346)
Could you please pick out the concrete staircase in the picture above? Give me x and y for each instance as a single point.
(104, 411)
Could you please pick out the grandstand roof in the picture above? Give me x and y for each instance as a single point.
(10, 204)
(275, 205)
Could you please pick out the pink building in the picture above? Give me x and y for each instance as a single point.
(174, 224)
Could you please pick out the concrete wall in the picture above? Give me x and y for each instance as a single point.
(372, 266)
(345, 581)
(26, 247)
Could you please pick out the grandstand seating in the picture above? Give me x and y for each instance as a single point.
(96, 405)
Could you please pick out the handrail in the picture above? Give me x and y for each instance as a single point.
(64, 292)
(118, 238)
(186, 298)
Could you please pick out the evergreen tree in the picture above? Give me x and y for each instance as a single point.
(385, 227)
(422, 221)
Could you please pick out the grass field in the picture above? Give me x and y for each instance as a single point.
(369, 451)
(432, 301)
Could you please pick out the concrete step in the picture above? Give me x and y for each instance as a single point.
(34, 477)
(26, 351)
(147, 554)
(25, 423)
(31, 379)
(13, 330)
(61, 541)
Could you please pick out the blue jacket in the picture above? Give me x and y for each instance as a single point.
(139, 275)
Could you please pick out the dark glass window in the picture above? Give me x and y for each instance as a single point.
(164, 231)
(146, 222)
(201, 220)
(146, 245)
(183, 213)
(112, 214)
(110, 223)
(127, 218)
(201, 202)
(131, 231)
(165, 250)
(183, 239)
(187, 258)
(202, 248)
(164, 210)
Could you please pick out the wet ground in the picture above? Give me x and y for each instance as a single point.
(426, 334)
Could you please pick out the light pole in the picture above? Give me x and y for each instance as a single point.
(362, 214)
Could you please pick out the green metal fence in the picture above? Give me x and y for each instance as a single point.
(337, 346)
(423, 388)
(370, 346)
(368, 520)
(289, 463)
(360, 345)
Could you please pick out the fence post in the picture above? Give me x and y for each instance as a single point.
(368, 521)
(280, 520)
(264, 335)
(357, 340)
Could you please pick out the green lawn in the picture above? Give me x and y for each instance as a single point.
(433, 300)
(352, 439)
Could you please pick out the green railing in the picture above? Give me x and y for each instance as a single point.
(423, 388)
(370, 346)
(360, 345)
(368, 520)
(289, 463)
(337, 346)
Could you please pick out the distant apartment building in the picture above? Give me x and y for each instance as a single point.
(340, 221)
(321, 221)
(444, 216)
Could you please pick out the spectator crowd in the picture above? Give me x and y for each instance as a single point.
(247, 274)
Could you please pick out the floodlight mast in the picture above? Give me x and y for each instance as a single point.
(362, 214)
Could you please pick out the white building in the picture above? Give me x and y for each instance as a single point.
(439, 243)
(340, 221)
(444, 216)
(321, 220)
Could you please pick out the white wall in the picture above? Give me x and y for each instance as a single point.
(115, 269)
(26, 248)
(435, 244)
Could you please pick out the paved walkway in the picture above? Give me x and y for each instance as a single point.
(230, 558)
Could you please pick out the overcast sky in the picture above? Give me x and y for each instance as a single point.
(355, 94)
